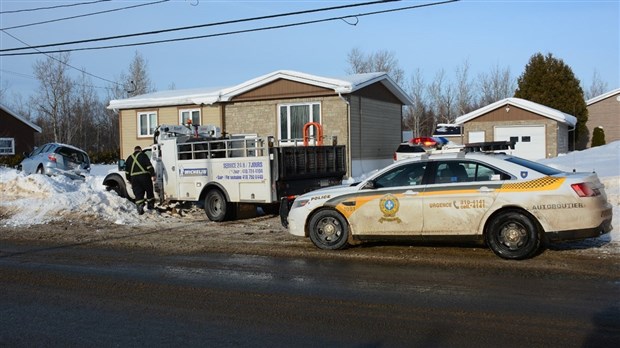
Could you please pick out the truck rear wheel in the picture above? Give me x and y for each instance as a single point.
(216, 206)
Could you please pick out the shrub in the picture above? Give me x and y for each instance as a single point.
(598, 137)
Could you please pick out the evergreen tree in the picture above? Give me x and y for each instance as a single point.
(549, 81)
(598, 137)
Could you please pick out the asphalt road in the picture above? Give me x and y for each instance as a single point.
(91, 296)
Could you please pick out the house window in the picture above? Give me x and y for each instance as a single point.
(7, 146)
(193, 114)
(293, 117)
(147, 121)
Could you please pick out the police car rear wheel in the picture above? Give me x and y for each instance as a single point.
(329, 230)
(513, 235)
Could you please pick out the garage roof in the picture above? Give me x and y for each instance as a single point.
(22, 119)
(343, 85)
(536, 108)
(603, 96)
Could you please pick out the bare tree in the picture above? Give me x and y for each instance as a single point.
(442, 99)
(86, 107)
(139, 77)
(379, 61)
(54, 96)
(464, 90)
(3, 90)
(496, 85)
(597, 87)
(417, 117)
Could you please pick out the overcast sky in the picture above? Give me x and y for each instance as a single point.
(585, 34)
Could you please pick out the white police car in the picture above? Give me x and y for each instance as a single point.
(512, 204)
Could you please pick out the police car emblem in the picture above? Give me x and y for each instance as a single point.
(524, 174)
(389, 207)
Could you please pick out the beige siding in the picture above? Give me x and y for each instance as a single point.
(211, 115)
(128, 131)
(261, 117)
(606, 114)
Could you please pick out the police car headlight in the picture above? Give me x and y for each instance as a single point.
(298, 203)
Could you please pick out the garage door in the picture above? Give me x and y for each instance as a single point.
(529, 140)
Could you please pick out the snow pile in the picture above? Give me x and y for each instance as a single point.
(38, 199)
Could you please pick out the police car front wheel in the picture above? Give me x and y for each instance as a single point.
(329, 230)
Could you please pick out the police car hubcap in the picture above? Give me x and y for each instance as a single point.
(512, 236)
(329, 229)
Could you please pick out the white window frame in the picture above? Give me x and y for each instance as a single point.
(11, 149)
(190, 111)
(150, 127)
(287, 140)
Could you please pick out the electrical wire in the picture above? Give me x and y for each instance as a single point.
(231, 32)
(48, 54)
(52, 7)
(199, 25)
(83, 15)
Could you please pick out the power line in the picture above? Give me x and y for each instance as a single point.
(234, 32)
(53, 7)
(199, 25)
(83, 15)
(64, 63)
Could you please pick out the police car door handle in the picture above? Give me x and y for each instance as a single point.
(411, 193)
(485, 189)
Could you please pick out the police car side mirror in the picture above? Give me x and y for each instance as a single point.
(121, 165)
(369, 185)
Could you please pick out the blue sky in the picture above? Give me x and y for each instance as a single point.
(585, 34)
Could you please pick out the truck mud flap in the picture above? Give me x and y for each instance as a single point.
(285, 207)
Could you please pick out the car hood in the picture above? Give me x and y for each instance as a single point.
(331, 191)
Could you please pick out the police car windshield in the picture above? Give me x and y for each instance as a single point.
(541, 168)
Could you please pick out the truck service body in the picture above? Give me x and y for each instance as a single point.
(225, 172)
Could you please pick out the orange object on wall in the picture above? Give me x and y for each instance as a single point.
(319, 130)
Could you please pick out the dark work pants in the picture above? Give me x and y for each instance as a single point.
(142, 184)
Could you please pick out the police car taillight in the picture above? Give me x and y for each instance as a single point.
(583, 189)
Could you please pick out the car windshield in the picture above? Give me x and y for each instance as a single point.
(541, 168)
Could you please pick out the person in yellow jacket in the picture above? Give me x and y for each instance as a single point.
(140, 173)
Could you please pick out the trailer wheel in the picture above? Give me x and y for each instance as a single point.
(216, 206)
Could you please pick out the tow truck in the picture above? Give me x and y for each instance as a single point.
(227, 174)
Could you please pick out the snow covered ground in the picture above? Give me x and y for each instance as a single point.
(38, 199)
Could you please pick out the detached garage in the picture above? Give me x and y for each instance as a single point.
(538, 131)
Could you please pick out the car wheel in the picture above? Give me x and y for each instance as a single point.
(117, 185)
(216, 206)
(39, 170)
(329, 230)
(512, 235)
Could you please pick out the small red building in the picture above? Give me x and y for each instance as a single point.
(16, 133)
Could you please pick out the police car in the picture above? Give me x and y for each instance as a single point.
(512, 204)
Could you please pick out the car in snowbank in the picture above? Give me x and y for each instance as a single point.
(511, 204)
(56, 159)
